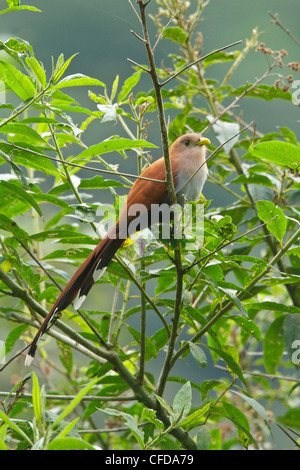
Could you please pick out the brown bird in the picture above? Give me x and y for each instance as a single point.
(187, 156)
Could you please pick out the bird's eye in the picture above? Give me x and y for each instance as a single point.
(186, 143)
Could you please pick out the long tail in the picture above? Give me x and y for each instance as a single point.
(79, 286)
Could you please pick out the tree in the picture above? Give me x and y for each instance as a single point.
(234, 299)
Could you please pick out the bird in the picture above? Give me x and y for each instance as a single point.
(189, 173)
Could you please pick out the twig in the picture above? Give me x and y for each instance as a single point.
(71, 397)
(113, 311)
(238, 98)
(287, 434)
(198, 60)
(111, 172)
(108, 430)
(136, 13)
(262, 374)
(139, 65)
(163, 30)
(287, 31)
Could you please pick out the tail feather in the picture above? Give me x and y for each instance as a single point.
(79, 286)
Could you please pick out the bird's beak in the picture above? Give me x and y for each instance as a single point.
(203, 141)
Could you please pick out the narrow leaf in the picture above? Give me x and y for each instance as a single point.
(37, 70)
(114, 145)
(17, 81)
(128, 86)
(273, 347)
(198, 354)
(183, 400)
(18, 192)
(78, 79)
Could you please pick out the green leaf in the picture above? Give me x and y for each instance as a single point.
(26, 133)
(273, 306)
(253, 179)
(98, 182)
(31, 159)
(265, 92)
(13, 3)
(71, 253)
(68, 428)
(129, 84)
(114, 88)
(196, 418)
(37, 70)
(13, 336)
(18, 192)
(78, 79)
(36, 400)
(69, 443)
(61, 66)
(273, 347)
(175, 34)
(221, 56)
(255, 405)
(278, 152)
(291, 418)
(23, 7)
(12, 227)
(203, 439)
(114, 145)
(165, 406)
(231, 363)
(235, 300)
(150, 349)
(17, 81)
(198, 354)
(17, 171)
(248, 326)
(129, 422)
(291, 329)
(241, 423)
(70, 407)
(14, 426)
(183, 401)
(266, 211)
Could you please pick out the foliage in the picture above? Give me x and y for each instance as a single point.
(235, 301)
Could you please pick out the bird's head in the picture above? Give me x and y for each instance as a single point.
(190, 145)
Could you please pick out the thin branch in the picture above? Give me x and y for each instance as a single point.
(111, 172)
(136, 13)
(198, 60)
(138, 65)
(287, 31)
(137, 36)
(262, 374)
(70, 397)
(238, 98)
(164, 29)
(113, 311)
(288, 435)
